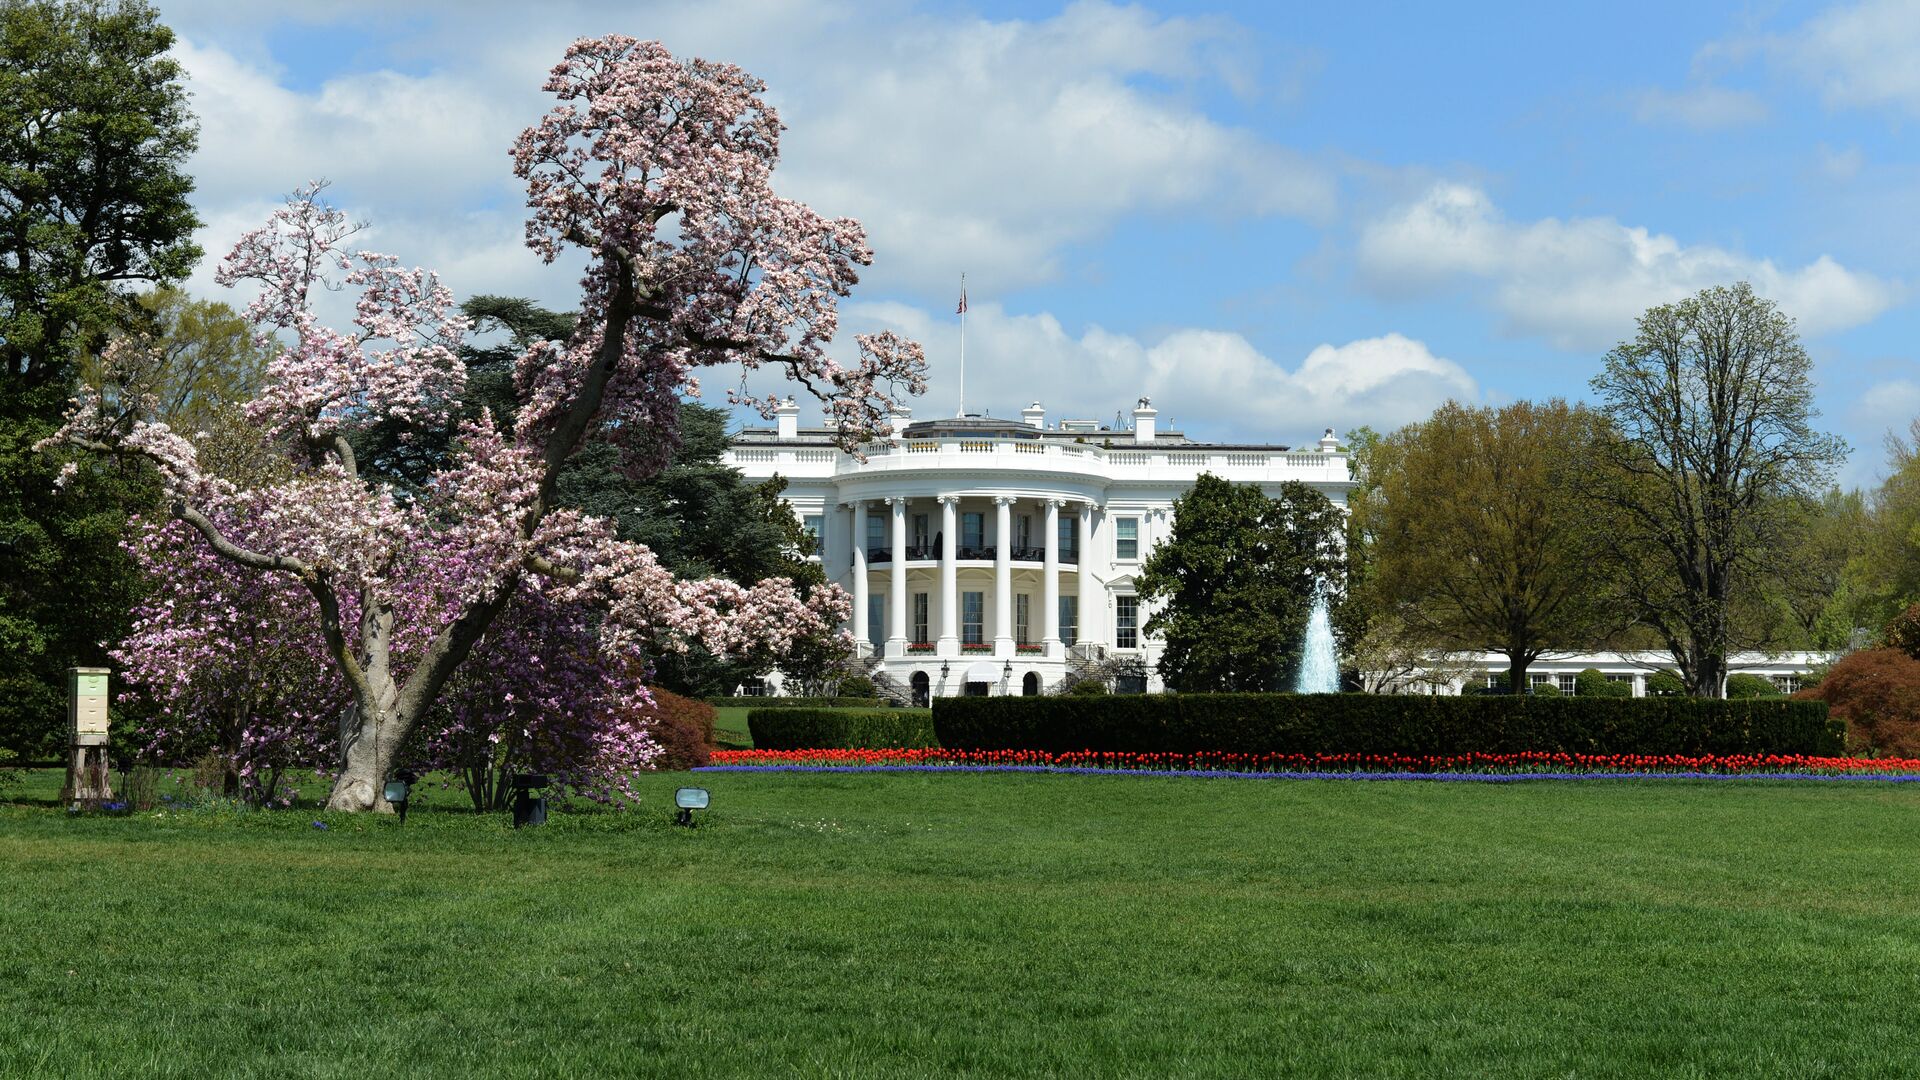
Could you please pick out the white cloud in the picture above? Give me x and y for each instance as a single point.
(1702, 108)
(1214, 384)
(1889, 408)
(1862, 55)
(962, 143)
(1581, 282)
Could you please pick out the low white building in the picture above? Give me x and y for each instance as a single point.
(991, 556)
(1470, 671)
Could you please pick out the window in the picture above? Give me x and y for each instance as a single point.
(1069, 619)
(1538, 680)
(1069, 537)
(1126, 538)
(1788, 684)
(1022, 609)
(973, 610)
(973, 530)
(1030, 686)
(1023, 531)
(813, 523)
(922, 689)
(920, 618)
(876, 534)
(1126, 622)
(921, 537)
(1566, 683)
(877, 619)
(1620, 678)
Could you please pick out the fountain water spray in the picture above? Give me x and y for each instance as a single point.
(1319, 665)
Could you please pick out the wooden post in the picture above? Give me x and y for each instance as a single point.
(87, 781)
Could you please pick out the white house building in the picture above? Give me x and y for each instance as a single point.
(991, 556)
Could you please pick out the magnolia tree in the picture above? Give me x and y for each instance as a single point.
(660, 170)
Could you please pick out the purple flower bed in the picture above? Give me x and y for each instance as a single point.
(1220, 774)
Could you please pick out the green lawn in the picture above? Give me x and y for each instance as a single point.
(916, 925)
(730, 728)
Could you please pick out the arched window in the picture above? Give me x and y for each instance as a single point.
(1030, 685)
(922, 691)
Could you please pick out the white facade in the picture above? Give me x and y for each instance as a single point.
(999, 556)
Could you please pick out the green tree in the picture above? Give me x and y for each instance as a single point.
(94, 136)
(1712, 443)
(1479, 541)
(1237, 581)
(1886, 574)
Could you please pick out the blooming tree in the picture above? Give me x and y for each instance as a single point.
(660, 170)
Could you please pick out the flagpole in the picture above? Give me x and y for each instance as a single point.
(963, 347)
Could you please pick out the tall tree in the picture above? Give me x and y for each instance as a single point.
(1478, 537)
(1711, 411)
(1236, 581)
(660, 170)
(94, 138)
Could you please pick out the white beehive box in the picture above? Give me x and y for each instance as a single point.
(87, 706)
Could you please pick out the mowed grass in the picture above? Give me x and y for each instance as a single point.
(918, 925)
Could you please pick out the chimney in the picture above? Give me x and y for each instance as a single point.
(1034, 415)
(788, 417)
(1328, 443)
(900, 417)
(1143, 415)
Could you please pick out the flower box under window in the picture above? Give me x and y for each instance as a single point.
(1029, 648)
(983, 648)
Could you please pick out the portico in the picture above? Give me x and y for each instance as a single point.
(973, 573)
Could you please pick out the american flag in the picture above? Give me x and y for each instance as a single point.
(962, 309)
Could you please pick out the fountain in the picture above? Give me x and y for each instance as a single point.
(1319, 666)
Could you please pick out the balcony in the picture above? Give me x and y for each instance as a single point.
(930, 553)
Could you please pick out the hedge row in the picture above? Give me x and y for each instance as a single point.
(840, 729)
(1385, 724)
(797, 702)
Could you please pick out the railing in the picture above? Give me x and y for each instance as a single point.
(1044, 453)
(963, 552)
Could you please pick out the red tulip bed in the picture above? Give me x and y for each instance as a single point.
(1454, 767)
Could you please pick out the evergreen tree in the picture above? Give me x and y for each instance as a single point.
(94, 135)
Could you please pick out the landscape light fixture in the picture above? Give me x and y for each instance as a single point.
(528, 808)
(398, 789)
(689, 799)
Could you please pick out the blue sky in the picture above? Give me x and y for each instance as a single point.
(1270, 219)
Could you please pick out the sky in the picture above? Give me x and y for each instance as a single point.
(1271, 219)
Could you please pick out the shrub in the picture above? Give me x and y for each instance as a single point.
(856, 686)
(1384, 724)
(1745, 685)
(841, 729)
(798, 702)
(1877, 693)
(683, 727)
(1545, 689)
(1665, 684)
(1088, 688)
(1592, 683)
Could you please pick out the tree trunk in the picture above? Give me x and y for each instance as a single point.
(1516, 673)
(370, 741)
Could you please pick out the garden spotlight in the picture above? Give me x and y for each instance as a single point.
(528, 808)
(398, 789)
(689, 799)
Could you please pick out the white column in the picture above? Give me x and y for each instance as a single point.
(1003, 576)
(1050, 595)
(1093, 598)
(859, 574)
(949, 588)
(897, 595)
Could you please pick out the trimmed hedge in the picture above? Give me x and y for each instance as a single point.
(797, 702)
(840, 729)
(1385, 724)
